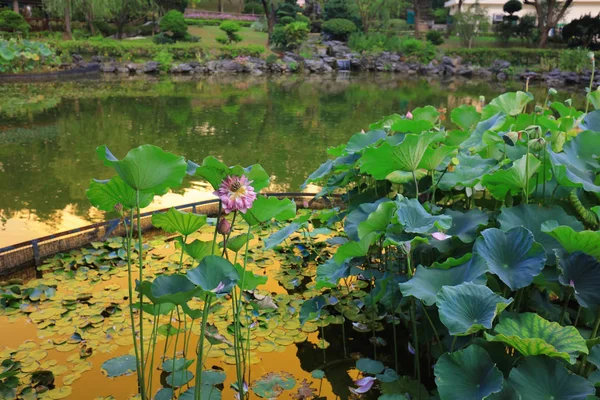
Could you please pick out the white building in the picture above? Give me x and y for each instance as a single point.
(494, 8)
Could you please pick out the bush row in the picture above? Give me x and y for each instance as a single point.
(132, 50)
(516, 56)
(214, 22)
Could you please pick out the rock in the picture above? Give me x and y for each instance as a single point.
(501, 76)
(570, 78)
(230, 66)
(499, 65)
(132, 67)
(97, 59)
(151, 67)
(184, 68)
(108, 68)
(77, 58)
(123, 70)
(447, 61)
(465, 71)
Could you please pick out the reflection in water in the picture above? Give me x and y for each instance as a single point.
(49, 131)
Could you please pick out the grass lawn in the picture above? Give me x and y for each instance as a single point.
(208, 35)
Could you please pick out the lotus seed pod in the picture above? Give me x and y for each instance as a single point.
(552, 92)
(537, 144)
(511, 138)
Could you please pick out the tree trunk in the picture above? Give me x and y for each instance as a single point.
(460, 3)
(220, 6)
(68, 32)
(89, 18)
(16, 6)
(270, 16)
(544, 36)
(417, 19)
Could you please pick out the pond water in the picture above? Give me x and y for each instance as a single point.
(49, 131)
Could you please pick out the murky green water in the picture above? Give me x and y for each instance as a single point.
(49, 131)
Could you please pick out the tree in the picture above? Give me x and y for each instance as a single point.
(16, 6)
(583, 31)
(121, 12)
(269, 10)
(230, 28)
(549, 13)
(62, 8)
(372, 10)
(512, 6)
(470, 22)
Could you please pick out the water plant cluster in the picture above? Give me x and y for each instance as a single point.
(478, 235)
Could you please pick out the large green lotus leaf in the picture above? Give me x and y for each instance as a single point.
(156, 309)
(538, 378)
(214, 272)
(507, 393)
(197, 249)
(415, 219)
(427, 113)
(176, 364)
(467, 374)
(468, 308)
(378, 220)
(311, 309)
(175, 289)
(265, 208)
(359, 141)
(380, 161)
(465, 225)
(178, 221)
(513, 179)
(105, 195)
(513, 255)
(406, 386)
(354, 249)
(594, 99)
(386, 122)
(532, 217)
(475, 142)
(411, 126)
(250, 280)
(511, 103)
(465, 116)
(427, 282)
(236, 243)
(577, 164)
(582, 272)
(214, 171)
(468, 172)
(586, 241)
(433, 157)
(282, 234)
(179, 378)
(532, 335)
(361, 213)
(271, 385)
(118, 366)
(592, 119)
(323, 170)
(147, 168)
(329, 273)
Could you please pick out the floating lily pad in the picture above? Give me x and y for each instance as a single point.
(118, 366)
(273, 384)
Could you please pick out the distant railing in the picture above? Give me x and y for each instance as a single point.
(201, 14)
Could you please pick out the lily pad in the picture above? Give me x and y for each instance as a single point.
(468, 308)
(273, 384)
(513, 255)
(542, 378)
(369, 366)
(532, 335)
(467, 374)
(415, 219)
(118, 366)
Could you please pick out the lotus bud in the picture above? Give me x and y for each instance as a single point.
(511, 138)
(409, 115)
(539, 109)
(537, 144)
(552, 92)
(569, 102)
(453, 163)
(224, 227)
(482, 100)
(591, 55)
(305, 204)
(119, 209)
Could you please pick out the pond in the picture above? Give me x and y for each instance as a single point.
(49, 131)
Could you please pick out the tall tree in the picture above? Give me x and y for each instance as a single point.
(549, 13)
(16, 6)
(63, 8)
(269, 10)
(122, 12)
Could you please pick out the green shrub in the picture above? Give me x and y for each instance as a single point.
(521, 57)
(435, 37)
(165, 58)
(418, 50)
(374, 42)
(174, 22)
(260, 26)
(230, 28)
(272, 59)
(105, 28)
(163, 38)
(303, 18)
(574, 60)
(316, 25)
(397, 25)
(286, 20)
(339, 28)
(295, 34)
(13, 22)
(338, 9)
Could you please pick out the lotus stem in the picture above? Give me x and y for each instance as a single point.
(587, 97)
(128, 242)
(141, 279)
(453, 343)
(153, 341)
(174, 372)
(437, 336)
(199, 356)
(323, 344)
(564, 310)
(344, 336)
(217, 225)
(416, 184)
(228, 236)
(577, 317)
(413, 317)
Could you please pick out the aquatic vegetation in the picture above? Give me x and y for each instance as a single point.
(455, 228)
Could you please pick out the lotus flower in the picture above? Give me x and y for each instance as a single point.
(236, 194)
(440, 236)
(409, 115)
(364, 385)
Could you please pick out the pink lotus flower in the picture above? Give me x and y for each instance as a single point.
(364, 385)
(236, 194)
(409, 115)
(440, 236)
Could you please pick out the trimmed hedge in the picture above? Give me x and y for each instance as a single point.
(516, 56)
(215, 22)
(133, 50)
